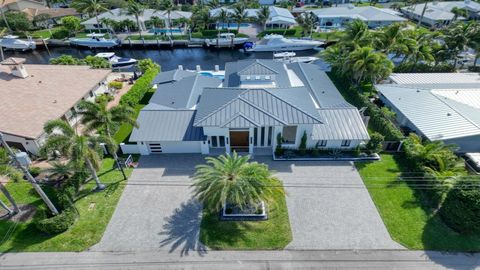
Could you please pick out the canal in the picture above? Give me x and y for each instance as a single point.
(168, 59)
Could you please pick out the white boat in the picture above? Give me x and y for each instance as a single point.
(95, 40)
(225, 39)
(289, 57)
(117, 62)
(272, 43)
(12, 42)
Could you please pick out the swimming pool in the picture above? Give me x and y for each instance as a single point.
(210, 74)
(162, 30)
(231, 25)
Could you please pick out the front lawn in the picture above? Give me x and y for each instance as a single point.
(274, 233)
(95, 208)
(405, 212)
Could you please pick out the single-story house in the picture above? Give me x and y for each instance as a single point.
(439, 14)
(279, 17)
(35, 94)
(19, 5)
(257, 101)
(337, 17)
(437, 106)
(119, 15)
(55, 14)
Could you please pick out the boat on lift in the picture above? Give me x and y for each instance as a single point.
(95, 40)
(225, 40)
(278, 43)
(12, 42)
(116, 61)
(290, 57)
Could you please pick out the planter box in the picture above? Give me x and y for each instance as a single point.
(230, 212)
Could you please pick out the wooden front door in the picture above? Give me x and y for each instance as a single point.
(239, 140)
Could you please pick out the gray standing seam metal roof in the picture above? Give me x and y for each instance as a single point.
(255, 107)
(257, 68)
(169, 125)
(435, 78)
(172, 75)
(362, 13)
(183, 94)
(232, 79)
(340, 124)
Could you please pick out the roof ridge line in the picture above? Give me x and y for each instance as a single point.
(193, 87)
(258, 62)
(243, 116)
(448, 105)
(219, 108)
(262, 110)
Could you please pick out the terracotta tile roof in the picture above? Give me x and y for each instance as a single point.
(13, 61)
(53, 12)
(47, 93)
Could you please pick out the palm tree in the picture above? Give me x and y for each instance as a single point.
(4, 17)
(156, 22)
(109, 23)
(459, 12)
(356, 35)
(307, 21)
(60, 171)
(168, 7)
(457, 37)
(231, 179)
(135, 9)
(263, 14)
(91, 7)
(81, 149)
(335, 57)
(96, 116)
(391, 39)
(239, 15)
(421, 49)
(223, 17)
(212, 4)
(7, 171)
(366, 65)
(474, 41)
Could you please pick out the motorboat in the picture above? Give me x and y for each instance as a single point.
(225, 40)
(116, 61)
(290, 57)
(95, 40)
(12, 42)
(273, 43)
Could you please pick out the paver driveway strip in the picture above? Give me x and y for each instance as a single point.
(330, 208)
(156, 211)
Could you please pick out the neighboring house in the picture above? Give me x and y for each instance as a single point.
(119, 15)
(439, 14)
(34, 94)
(438, 106)
(20, 5)
(279, 17)
(257, 101)
(55, 14)
(337, 17)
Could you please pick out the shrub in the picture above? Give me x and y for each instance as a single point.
(423, 68)
(105, 98)
(34, 171)
(97, 62)
(138, 90)
(146, 64)
(302, 148)
(213, 33)
(56, 224)
(60, 33)
(461, 208)
(474, 68)
(115, 85)
(375, 144)
(278, 149)
(288, 32)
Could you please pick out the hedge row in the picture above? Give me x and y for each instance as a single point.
(377, 120)
(287, 32)
(423, 68)
(138, 90)
(213, 33)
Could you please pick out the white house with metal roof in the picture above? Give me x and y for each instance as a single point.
(438, 14)
(438, 106)
(279, 17)
(337, 17)
(257, 101)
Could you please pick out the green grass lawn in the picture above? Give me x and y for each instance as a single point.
(274, 233)
(405, 212)
(95, 208)
(161, 38)
(44, 33)
(334, 35)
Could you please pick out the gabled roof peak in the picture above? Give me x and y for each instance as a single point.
(257, 68)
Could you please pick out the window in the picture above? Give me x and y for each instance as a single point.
(248, 77)
(322, 143)
(289, 134)
(214, 141)
(257, 77)
(346, 143)
(222, 141)
(255, 136)
(270, 131)
(267, 77)
(262, 138)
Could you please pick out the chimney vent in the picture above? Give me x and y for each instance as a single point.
(16, 66)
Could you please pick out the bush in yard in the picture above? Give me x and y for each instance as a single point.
(302, 148)
(375, 144)
(461, 208)
(278, 149)
(138, 90)
(71, 23)
(97, 62)
(146, 64)
(34, 171)
(56, 224)
(115, 85)
(60, 33)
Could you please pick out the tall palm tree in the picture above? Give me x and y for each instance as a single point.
(231, 179)
(135, 9)
(91, 7)
(4, 17)
(239, 15)
(109, 23)
(474, 41)
(421, 49)
(356, 35)
(60, 171)
(366, 65)
(82, 150)
(96, 116)
(168, 7)
(391, 39)
(457, 37)
(307, 21)
(156, 22)
(335, 57)
(7, 171)
(212, 4)
(263, 14)
(223, 17)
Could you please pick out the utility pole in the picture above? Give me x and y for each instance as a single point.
(10, 199)
(29, 177)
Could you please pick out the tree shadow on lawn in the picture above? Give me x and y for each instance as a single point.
(182, 229)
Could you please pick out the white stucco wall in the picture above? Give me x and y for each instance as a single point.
(30, 145)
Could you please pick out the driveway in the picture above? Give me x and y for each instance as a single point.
(328, 205)
(330, 208)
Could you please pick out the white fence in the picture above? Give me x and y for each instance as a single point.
(129, 148)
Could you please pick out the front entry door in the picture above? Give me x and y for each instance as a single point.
(239, 141)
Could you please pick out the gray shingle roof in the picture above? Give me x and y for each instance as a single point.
(183, 94)
(232, 78)
(255, 107)
(171, 125)
(172, 75)
(363, 13)
(340, 124)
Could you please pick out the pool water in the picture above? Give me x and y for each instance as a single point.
(161, 30)
(209, 74)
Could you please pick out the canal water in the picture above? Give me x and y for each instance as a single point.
(168, 59)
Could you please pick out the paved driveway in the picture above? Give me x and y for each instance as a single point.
(328, 205)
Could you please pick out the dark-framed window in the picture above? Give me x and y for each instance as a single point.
(221, 140)
(322, 143)
(214, 141)
(346, 143)
(269, 140)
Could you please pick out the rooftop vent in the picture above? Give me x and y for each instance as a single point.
(16, 66)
